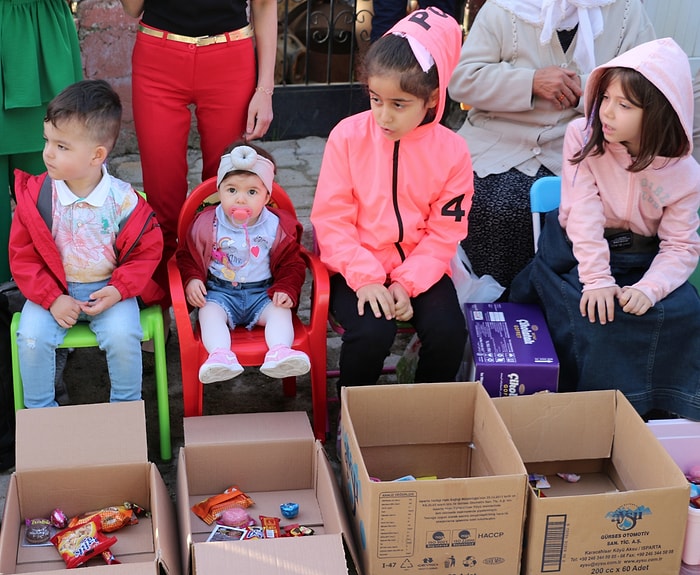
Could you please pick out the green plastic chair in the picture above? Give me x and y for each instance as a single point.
(694, 278)
(80, 335)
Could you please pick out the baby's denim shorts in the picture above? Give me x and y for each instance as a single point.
(243, 303)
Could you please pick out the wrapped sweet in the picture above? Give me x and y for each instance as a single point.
(81, 543)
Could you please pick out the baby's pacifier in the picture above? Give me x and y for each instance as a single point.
(241, 215)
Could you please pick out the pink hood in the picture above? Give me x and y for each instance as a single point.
(442, 37)
(664, 64)
(661, 200)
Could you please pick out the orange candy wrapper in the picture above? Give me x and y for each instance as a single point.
(112, 518)
(211, 508)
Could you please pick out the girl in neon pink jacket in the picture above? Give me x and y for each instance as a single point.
(612, 270)
(392, 202)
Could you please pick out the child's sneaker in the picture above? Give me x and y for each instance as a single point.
(221, 365)
(282, 361)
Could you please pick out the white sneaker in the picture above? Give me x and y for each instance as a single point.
(282, 361)
(221, 365)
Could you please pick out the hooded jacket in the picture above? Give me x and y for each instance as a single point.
(36, 262)
(395, 210)
(662, 199)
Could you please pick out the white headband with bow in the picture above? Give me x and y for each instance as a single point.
(246, 159)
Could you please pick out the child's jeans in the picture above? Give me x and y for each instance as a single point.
(118, 331)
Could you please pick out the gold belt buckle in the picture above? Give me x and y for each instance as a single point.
(209, 40)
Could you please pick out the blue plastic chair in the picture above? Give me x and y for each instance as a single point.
(545, 195)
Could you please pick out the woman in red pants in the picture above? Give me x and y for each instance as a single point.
(214, 56)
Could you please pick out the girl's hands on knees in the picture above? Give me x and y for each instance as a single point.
(600, 302)
(65, 311)
(402, 302)
(196, 292)
(633, 301)
(378, 298)
(100, 300)
(281, 299)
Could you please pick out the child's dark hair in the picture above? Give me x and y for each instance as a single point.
(94, 104)
(662, 132)
(393, 54)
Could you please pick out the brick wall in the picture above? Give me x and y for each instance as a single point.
(106, 39)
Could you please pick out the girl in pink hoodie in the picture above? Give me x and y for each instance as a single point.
(391, 205)
(612, 270)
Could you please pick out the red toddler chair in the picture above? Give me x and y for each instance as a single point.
(250, 346)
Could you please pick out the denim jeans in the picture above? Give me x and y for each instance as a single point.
(118, 332)
(243, 303)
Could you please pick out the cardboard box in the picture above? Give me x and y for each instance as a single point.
(512, 351)
(274, 459)
(625, 515)
(469, 518)
(82, 458)
(681, 438)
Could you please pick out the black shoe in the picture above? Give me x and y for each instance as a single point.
(7, 459)
(658, 414)
(61, 391)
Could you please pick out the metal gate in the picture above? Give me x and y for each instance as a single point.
(319, 45)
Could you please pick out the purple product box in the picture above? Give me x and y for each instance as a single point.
(512, 351)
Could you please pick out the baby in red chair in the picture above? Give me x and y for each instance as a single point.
(241, 265)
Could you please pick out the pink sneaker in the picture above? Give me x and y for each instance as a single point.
(282, 361)
(221, 365)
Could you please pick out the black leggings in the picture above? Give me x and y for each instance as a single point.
(367, 340)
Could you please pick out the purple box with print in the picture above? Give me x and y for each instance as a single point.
(512, 351)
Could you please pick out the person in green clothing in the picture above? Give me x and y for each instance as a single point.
(40, 55)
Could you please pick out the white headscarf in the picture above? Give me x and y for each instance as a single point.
(555, 15)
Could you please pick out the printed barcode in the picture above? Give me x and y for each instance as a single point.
(496, 316)
(553, 543)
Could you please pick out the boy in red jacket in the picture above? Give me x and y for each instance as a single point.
(83, 246)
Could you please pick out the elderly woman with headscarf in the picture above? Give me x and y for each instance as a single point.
(522, 69)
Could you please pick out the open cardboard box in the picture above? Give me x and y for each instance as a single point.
(274, 459)
(681, 438)
(625, 515)
(469, 518)
(83, 458)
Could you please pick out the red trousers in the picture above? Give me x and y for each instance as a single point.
(168, 80)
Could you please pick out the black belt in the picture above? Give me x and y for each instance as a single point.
(621, 240)
(239, 285)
